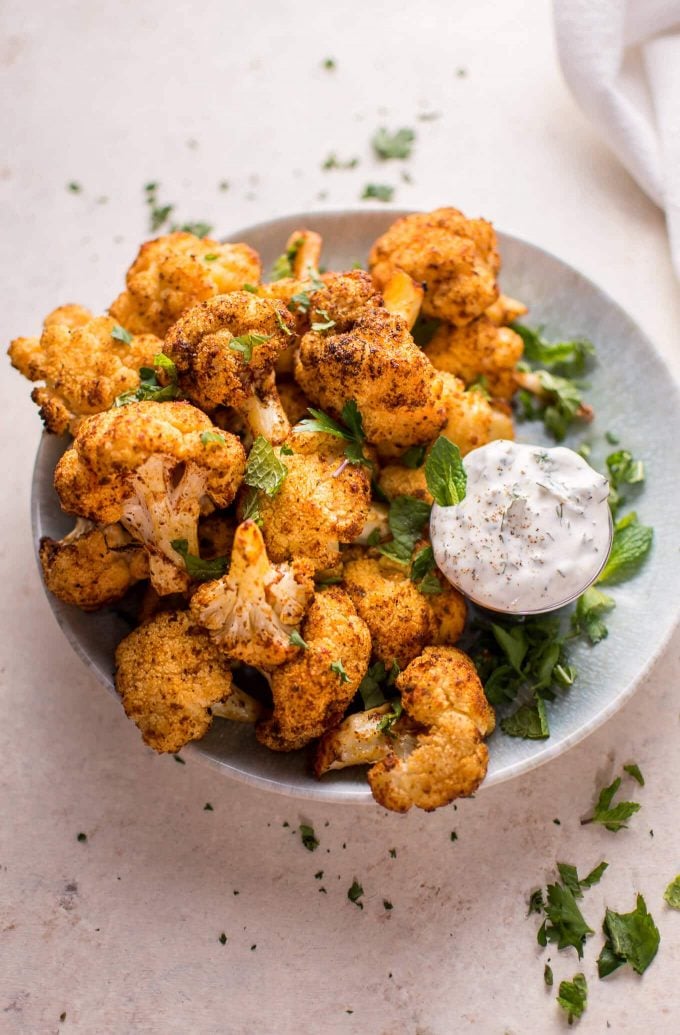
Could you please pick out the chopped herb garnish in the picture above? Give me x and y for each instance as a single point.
(282, 323)
(120, 334)
(587, 617)
(246, 343)
(629, 938)
(570, 358)
(296, 640)
(454, 835)
(197, 568)
(445, 473)
(535, 902)
(548, 975)
(339, 669)
(222, 939)
(564, 923)
(212, 436)
(355, 893)
(634, 770)
(179, 759)
(325, 323)
(393, 853)
(414, 457)
(351, 430)
(672, 893)
(388, 720)
(371, 686)
(407, 517)
(623, 469)
(573, 997)
(308, 837)
(393, 145)
(81, 837)
(387, 904)
(632, 542)
(208, 807)
(378, 191)
(612, 817)
(329, 64)
(264, 470)
(333, 162)
(157, 383)
(74, 187)
(283, 266)
(252, 289)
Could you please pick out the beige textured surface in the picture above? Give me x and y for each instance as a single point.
(121, 932)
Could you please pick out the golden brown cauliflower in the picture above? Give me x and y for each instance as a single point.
(397, 480)
(173, 681)
(431, 753)
(455, 259)
(401, 619)
(471, 419)
(177, 271)
(225, 351)
(312, 691)
(92, 567)
(323, 502)
(251, 612)
(83, 362)
(505, 310)
(294, 401)
(377, 364)
(155, 467)
(481, 349)
(300, 268)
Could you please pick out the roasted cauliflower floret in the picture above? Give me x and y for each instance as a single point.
(251, 612)
(225, 351)
(301, 268)
(92, 567)
(479, 350)
(396, 480)
(401, 619)
(174, 680)
(377, 364)
(177, 271)
(430, 753)
(312, 691)
(294, 401)
(505, 310)
(471, 419)
(453, 257)
(155, 467)
(84, 360)
(323, 502)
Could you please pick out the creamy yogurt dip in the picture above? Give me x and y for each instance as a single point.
(532, 533)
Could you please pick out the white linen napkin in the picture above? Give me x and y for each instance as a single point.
(621, 60)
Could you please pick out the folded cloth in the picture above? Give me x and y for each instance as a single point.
(621, 60)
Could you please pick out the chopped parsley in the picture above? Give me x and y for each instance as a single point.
(351, 430)
(388, 145)
(283, 266)
(197, 568)
(629, 938)
(548, 975)
(82, 838)
(393, 853)
(212, 436)
(198, 228)
(329, 64)
(672, 893)
(632, 542)
(308, 838)
(573, 997)
(377, 191)
(339, 669)
(208, 807)
(282, 324)
(245, 344)
(75, 188)
(454, 836)
(157, 383)
(445, 473)
(612, 817)
(222, 939)
(407, 518)
(355, 892)
(333, 162)
(296, 640)
(179, 759)
(387, 904)
(325, 323)
(264, 470)
(388, 720)
(120, 334)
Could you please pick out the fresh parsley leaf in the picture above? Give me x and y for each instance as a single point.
(629, 938)
(414, 457)
(612, 817)
(634, 770)
(339, 669)
(283, 266)
(406, 519)
(264, 470)
(355, 892)
(211, 436)
(388, 720)
(352, 419)
(529, 721)
(587, 617)
(548, 975)
(197, 568)
(393, 145)
(245, 344)
(378, 191)
(571, 357)
(308, 837)
(573, 996)
(672, 893)
(445, 474)
(325, 323)
(564, 923)
(151, 386)
(632, 542)
(120, 334)
(351, 431)
(300, 302)
(296, 640)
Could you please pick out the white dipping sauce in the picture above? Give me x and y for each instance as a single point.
(533, 531)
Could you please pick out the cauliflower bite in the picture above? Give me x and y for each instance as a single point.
(173, 681)
(505, 310)
(401, 619)
(396, 480)
(251, 612)
(453, 257)
(471, 420)
(92, 567)
(479, 350)
(225, 351)
(177, 271)
(378, 365)
(84, 366)
(147, 465)
(323, 501)
(312, 691)
(434, 751)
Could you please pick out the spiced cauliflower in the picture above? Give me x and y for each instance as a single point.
(480, 351)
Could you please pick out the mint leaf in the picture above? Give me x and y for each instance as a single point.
(587, 618)
(629, 938)
(413, 457)
(296, 640)
(197, 568)
(612, 817)
(264, 470)
(571, 879)
(632, 542)
(529, 721)
(634, 770)
(393, 145)
(150, 387)
(672, 893)
(513, 642)
(251, 508)
(564, 923)
(445, 474)
(573, 996)
(570, 357)
(594, 876)
(339, 669)
(406, 519)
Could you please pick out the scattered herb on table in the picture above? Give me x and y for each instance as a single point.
(81, 837)
(629, 938)
(573, 996)
(387, 905)
(388, 145)
(564, 923)
(377, 191)
(333, 162)
(548, 975)
(612, 817)
(308, 837)
(208, 807)
(355, 893)
(634, 770)
(672, 893)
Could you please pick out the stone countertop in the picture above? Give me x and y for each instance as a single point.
(120, 932)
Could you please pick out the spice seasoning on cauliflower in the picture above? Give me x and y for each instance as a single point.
(480, 349)
(146, 466)
(177, 271)
(251, 612)
(84, 361)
